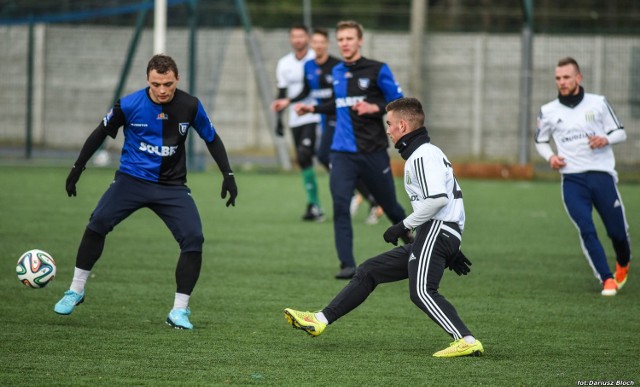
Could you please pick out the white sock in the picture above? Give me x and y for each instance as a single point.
(320, 317)
(79, 280)
(181, 301)
(470, 339)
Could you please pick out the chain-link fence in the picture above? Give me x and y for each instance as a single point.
(471, 76)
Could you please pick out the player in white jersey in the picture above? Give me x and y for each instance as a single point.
(290, 80)
(438, 220)
(584, 127)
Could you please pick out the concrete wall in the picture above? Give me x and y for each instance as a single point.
(471, 83)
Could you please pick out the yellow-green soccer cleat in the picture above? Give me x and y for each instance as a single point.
(305, 321)
(461, 348)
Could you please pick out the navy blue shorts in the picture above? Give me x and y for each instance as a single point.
(173, 204)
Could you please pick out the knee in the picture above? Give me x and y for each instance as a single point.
(192, 242)
(365, 274)
(305, 156)
(418, 297)
(341, 201)
(100, 224)
(341, 209)
(589, 235)
(618, 236)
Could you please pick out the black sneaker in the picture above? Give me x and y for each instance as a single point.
(346, 272)
(314, 213)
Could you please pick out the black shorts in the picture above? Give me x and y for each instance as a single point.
(172, 203)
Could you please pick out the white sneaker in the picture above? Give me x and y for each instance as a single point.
(375, 214)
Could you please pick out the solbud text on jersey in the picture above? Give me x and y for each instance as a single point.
(158, 150)
(348, 101)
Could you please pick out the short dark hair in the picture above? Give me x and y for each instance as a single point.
(569, 61)
(409, 109)
(321, 31)
(162, 64)
(343, 25)
(299, 26)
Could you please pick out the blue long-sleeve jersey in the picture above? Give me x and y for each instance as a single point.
(318, 81)
(363, 80)
(155, 134)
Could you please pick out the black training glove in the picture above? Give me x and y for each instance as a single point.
(229, 185)
(72, 179)
(394, 232)
(279, 126)
(460, 264)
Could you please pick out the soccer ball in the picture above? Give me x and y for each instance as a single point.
(36, 268)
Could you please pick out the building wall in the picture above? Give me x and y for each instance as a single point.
(471, 83)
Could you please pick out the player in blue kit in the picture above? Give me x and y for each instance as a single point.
(152, 174)
(584, 127)
(362, 87)
(318, 82)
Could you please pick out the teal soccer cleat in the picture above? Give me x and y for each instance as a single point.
(67, 303)
(179, 318)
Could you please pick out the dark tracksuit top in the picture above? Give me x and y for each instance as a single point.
(318, 81)
(363, 80)
(358, 150)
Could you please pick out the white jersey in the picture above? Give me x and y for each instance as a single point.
(290, 75)
(571, 129)
(428, 174)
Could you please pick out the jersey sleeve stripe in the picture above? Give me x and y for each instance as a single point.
(613, 116)
(422, 180)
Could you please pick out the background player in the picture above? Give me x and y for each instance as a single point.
(290, 80)
(438, 218)
(152, 174)
(362, 87)
(318, 81)
(584, 127)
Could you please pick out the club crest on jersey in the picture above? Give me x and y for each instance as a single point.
(182, 128)
(162, 116)
(348, 75)
(363, 83)
(590, 116)
(407, 179)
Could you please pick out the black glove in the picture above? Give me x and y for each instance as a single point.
(460, 264)
(279, 126)
(229, 185)
(394, 232)
(72, 179)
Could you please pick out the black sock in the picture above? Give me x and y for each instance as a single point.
(90, 249)
(188, 271)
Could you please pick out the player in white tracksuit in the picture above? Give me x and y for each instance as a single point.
(584, 128)
(438, 220)
(290, 80)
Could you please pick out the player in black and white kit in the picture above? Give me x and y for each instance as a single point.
(438, 220)
(290, 79)
(152, 174)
